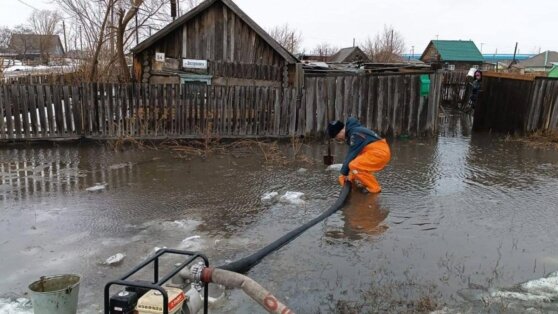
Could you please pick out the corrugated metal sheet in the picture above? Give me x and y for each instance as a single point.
(458, 50)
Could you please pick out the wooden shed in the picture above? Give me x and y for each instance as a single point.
(215, 43)
(350, 54)
(453, 54)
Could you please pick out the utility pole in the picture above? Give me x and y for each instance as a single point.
(65, 41)
(137, 35)
(482, 44)
(112, 27)
(354, 42)
(514, 54)
(80, 40)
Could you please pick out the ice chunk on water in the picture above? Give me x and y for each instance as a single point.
(269, 196)
(537, 291)
(97, 187)
(519, 296)
(191, 238)
(19, 306)
(544, 286)
(115, 259)
(292, 198)
(191, 243)
(334, 167)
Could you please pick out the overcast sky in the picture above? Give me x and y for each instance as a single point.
(492, 24)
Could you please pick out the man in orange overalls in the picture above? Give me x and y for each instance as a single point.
(368, 153)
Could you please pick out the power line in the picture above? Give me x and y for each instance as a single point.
(27, 4)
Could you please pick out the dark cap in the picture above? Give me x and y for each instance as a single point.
(334, 127)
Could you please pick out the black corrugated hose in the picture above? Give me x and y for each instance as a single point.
(245, 264)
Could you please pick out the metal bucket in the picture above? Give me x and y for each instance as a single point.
(55, 294)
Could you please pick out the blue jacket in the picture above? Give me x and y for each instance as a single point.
(357, 137)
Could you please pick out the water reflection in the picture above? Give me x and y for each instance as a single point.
(35, 172)
(455, 124)
(363, 216)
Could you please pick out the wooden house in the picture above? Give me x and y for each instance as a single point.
(453, 54)
(541, 63)
(348, 55)
(34, 47)
(215, 43)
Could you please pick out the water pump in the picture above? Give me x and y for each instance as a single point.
(161, 295)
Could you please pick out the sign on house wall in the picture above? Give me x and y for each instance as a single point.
(160, 56)
(194, 64)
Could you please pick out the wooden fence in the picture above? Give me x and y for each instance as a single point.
(454, 86)
(37, 78)
(246, 71)
(519, 104)
(389, 104)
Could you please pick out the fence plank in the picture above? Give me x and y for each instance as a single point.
(33, 111)
(16, 110)
(371, 109)
(363, 99)
(321, 106)
(23, 96)
(77, 108)
(58, 96)
(347, 97)
(355, 87)
(310, 111)
(67, 108)
(3, 113)
(51, 112)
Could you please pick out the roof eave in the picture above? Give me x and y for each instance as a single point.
(171, 26)
(290, 58)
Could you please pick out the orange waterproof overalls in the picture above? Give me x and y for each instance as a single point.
(373, 157)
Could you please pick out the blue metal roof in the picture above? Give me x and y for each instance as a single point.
(487, 57)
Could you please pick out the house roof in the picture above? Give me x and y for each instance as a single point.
(36, 44)
(538, 60)
(456, 50)
(202, 7)
(344, 53)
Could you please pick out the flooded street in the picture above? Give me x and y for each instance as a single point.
(463, 220)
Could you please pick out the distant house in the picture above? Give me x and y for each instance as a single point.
(36, 47)
(308, 57)
(453, 54)
(543, 62)
(348, 55)
(215, 43)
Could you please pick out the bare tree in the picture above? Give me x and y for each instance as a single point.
(45, 22)
(120, 22)
(387, 46)
(20, 44)
(324, 50)
(5, 36)
(289, 38)
(190, 4)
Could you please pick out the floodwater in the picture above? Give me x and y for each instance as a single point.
(466, 223)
